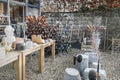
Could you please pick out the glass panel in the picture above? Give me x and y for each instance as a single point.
(16, 13)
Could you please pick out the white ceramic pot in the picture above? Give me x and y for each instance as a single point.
(10, 39)
(29, 44)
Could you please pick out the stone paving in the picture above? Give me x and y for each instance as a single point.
(55, 70)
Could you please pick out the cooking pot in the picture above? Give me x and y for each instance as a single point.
(20, 46)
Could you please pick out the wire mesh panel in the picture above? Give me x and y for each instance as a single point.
(73, 21)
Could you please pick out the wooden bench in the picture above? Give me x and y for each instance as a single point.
(19, 58)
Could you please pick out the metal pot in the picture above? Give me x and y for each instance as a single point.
(20, 46)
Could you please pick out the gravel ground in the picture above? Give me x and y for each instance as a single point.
(55, 70)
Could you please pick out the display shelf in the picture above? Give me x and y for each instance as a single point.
(17, 3)
(4, 16)
(2, 33)
(5, 19)
(1, 26)
(3, 0)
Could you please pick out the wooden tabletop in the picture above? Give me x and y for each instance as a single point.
(31, 50)
(9, 58)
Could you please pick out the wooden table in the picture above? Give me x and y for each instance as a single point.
(41, 56)
(16, 58)
(52, 43)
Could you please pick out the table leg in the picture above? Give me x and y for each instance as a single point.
(18, 68)
(13, 64)
(53, 51)
(41, 59)
(23, 66)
